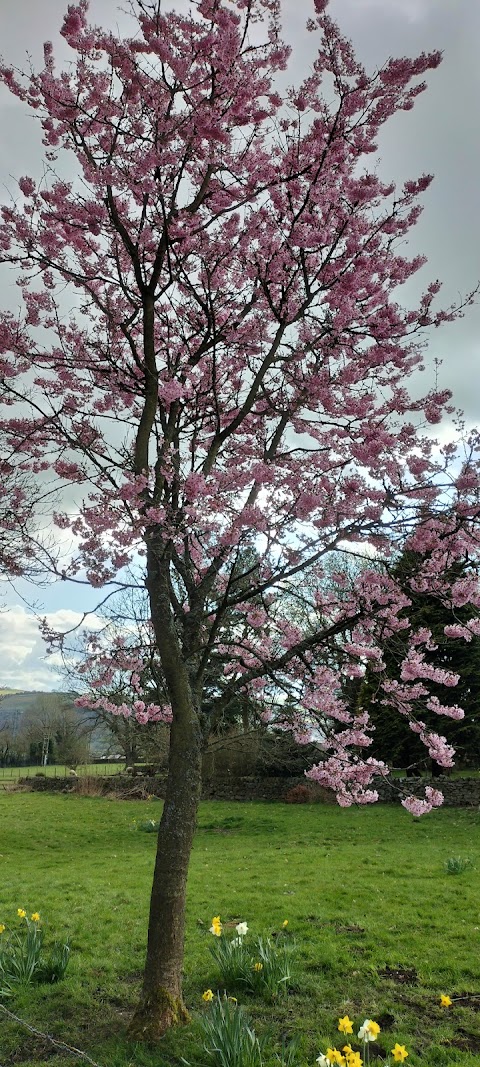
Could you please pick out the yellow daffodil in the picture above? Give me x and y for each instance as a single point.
(2, 928)
(35, 917)
(207, 995)
(334, 1056)
(399, 1053)
(258, 967)
(353, 1059)
(345, 1025)
(216, 927)
(285, 923)
(21, 913)
(233, 1000)
(445, 1000)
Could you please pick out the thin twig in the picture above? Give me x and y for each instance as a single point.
(48, 1037)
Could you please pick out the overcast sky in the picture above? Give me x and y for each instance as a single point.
(441, 136)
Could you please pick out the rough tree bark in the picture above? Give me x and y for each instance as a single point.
(161, 1004)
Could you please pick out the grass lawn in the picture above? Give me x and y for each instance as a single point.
(380, 928)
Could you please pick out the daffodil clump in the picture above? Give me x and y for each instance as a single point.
(232, 1040)
(258, 964)
(349, 1057)
(23, 959)
(229, 1037)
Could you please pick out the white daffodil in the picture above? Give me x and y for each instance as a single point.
(323, 1061)
(369, 1031)
(241, 929)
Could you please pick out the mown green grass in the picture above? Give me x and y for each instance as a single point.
(364, 890)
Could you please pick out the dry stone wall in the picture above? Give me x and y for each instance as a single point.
(458, 792)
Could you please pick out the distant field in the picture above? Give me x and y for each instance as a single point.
(380, 927)
(54, 771)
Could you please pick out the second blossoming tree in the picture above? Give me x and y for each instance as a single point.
(230, 377)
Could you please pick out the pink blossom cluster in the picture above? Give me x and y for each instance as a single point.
(417, 806)
(349, 778)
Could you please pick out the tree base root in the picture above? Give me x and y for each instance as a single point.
(155, 1015)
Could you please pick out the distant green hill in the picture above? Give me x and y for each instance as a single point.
(15, 702)
(22, 710)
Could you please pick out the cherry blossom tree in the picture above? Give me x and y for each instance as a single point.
(230, 376)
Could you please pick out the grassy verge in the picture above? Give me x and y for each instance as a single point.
(381, 928)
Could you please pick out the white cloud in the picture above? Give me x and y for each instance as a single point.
(25, 663)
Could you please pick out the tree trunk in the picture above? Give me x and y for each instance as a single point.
(161, 1003)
